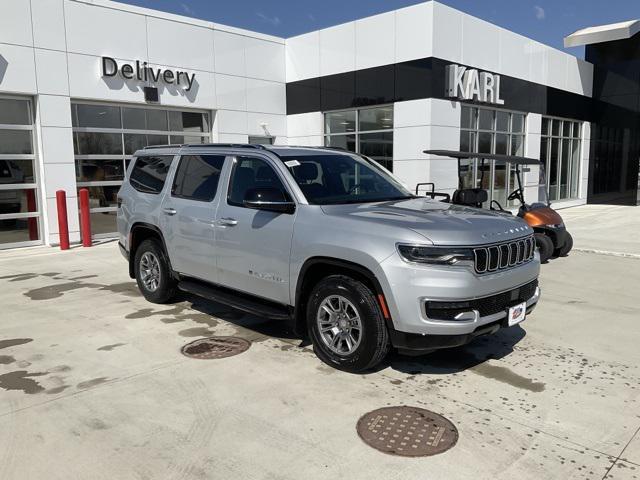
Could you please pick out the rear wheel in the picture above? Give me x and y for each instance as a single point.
(566, 248)
(346, 325)
(153, 273)
(545, 247)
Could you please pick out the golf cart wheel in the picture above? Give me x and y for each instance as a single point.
(153, 273)
(545, 247)
(346, 325)
(566, 248)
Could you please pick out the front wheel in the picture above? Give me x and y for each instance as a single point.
(346, 325)
(545, 247)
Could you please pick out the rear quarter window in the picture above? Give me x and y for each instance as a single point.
(149, 174)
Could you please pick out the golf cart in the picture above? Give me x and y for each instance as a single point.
(551, 235)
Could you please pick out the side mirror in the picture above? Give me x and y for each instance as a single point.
(269, 199)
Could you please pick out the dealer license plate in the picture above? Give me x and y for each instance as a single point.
(517, 313)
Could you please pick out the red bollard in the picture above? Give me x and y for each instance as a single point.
(63, 225)
(85, 218)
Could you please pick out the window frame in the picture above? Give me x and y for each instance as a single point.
(475, 130)
(135, 164)
(204, 136)
(36, 215)
(234, 165)
(549, 136)
(181, 159)
(357, 132)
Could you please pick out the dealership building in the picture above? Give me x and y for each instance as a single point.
(85, 83)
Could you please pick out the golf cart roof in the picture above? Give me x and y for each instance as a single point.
(515, 159)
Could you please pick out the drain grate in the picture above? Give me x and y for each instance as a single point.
(215, 347)
(407, 431)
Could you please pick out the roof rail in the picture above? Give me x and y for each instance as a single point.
(225, 145)
(168, 145)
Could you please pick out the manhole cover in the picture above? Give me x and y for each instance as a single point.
(407, 431)
(215, 347)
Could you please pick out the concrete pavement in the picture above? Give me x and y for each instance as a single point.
(92, 385)
(605, 228)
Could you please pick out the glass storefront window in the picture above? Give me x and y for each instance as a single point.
(15, 111)
(16, 142)
(340, 122)
(16, 171)
(375, 119)
(95, 143)
(368, 131)
(96, 116)
(19, 205)
(99, 170)
(560, 152)
(144, 119)
(106, 137)
(486, 130)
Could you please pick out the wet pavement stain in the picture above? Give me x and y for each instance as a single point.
(6, 359)
(60, 368)
(504, 375)
(60, 389)
(51, 292)
(96, 424)
(19, 380)
(196, 332)
(12, 342)
(92, 383)
(83, 277)
(19, 277)
(108, 348)
(56, 291)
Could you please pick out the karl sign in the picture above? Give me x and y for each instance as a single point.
(143, 72)
(471, 84)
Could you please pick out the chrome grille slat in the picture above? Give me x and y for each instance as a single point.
(504, 255)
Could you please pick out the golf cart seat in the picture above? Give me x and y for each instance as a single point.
(470, 197)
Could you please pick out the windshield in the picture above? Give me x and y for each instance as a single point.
(327, 179)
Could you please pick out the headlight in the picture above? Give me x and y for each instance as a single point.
(435, 255)
(557, 225)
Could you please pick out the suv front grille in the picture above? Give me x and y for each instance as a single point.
(485, 306)
(504, 255)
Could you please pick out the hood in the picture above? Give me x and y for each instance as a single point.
(441, 223)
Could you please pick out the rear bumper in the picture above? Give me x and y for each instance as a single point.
(417, 344)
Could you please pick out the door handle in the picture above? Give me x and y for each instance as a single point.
(169, 211)
(228, 222)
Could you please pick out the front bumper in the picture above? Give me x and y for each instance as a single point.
(419, 344)
(408, 287)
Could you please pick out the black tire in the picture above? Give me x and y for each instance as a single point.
(545, 247)
(566, 248)
(373, 338)
(166, 285)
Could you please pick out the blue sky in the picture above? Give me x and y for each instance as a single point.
(547, 21)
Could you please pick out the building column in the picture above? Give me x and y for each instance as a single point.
(420, 125)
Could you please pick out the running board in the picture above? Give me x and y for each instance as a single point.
(239, 301)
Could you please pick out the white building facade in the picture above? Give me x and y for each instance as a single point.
(85, 83)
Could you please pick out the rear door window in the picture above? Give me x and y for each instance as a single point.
(197, 177)
(150, 173)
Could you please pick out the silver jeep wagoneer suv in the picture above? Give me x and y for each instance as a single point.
(328, 239)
